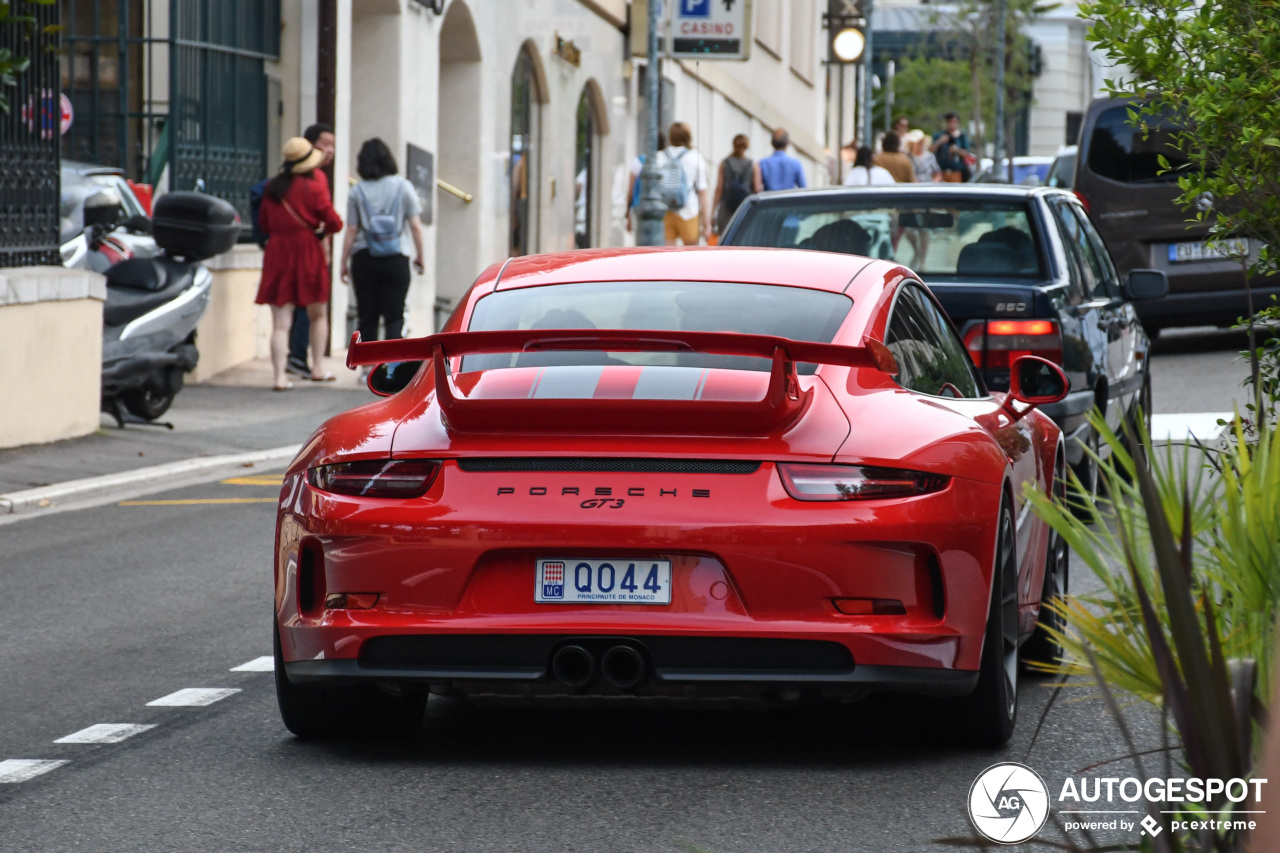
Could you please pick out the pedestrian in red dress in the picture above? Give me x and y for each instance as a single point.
(297, 214)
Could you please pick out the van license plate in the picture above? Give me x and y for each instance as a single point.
(614, 581)
(1203, 251)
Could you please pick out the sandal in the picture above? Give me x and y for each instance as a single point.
(327, 377)
(288, 386)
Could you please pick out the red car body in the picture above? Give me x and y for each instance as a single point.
(438, 590)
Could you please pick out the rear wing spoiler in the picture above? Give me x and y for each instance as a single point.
(782, 403)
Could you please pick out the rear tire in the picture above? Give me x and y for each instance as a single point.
(1089, 473)
(1042, 647)
(989, 713)
(1138, 418)
(360, 710)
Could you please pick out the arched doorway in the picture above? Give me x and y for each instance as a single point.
(457, 221)
(522, 169)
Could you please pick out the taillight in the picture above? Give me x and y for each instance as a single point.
(995, 344)
(1083, 201)
(806, 482)
(376, 478)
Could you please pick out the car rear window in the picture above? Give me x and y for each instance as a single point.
(1122, 152)
(941, 239)
(788, 312)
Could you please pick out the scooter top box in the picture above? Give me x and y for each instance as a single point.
(194, 226)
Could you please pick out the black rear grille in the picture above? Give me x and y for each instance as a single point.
(676, 657)
(607, 465)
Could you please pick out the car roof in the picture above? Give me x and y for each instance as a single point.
(794, 267)
(907, 191)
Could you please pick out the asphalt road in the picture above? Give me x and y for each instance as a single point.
(107, 609)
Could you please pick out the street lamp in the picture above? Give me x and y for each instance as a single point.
(848, 44)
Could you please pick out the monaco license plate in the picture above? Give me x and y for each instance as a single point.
(1203, 251)
(614, 581)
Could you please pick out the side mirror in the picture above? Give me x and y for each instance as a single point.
(393, 377)
(1143, 285)
(138, 224)
(1035, 381)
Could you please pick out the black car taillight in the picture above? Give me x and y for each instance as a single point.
(376, 478)
(996, 344)
(806, 482)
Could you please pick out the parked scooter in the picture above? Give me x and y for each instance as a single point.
(154, 304)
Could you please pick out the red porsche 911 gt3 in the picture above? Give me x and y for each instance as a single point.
(672, 472)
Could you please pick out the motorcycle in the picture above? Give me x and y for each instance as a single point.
(154, 304)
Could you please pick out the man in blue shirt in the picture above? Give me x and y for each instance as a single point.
(781, 171)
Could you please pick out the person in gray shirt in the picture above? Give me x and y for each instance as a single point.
(375, 263)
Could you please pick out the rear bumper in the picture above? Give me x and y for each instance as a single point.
(753, 580)
(520, 664)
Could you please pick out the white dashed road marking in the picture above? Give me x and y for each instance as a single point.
(266, 663)
(106, 733)
(22, 769)
(194, 697)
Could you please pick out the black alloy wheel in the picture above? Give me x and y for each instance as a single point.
(360, 710)
(1088, 472)
(1138, 418)
(990, 712)
(1043, 647)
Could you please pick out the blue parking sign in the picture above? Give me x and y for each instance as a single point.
(695, 8)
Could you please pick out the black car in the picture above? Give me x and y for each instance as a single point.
(1020, 270)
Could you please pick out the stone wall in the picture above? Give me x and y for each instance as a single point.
(51, 350)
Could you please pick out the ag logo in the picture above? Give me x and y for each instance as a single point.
(1008, 803)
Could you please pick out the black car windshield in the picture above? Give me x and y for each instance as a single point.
(941, 239)
(788, 312)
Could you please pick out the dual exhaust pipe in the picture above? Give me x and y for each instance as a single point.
(621, 666)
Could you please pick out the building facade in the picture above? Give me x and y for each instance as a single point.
(519, 120)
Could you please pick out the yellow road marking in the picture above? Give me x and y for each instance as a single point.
(195, 501)
(255, 480)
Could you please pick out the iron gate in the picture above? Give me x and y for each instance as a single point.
(179, 91)
(29, 133)
(218, 105)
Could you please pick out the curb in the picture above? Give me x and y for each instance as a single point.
(184, 470)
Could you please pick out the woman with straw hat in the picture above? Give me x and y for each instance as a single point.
(297, 215)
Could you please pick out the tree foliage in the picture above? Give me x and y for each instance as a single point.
(1216, 63)
(927, 88)
(967, 35)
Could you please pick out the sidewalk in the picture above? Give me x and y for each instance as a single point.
(235, 412)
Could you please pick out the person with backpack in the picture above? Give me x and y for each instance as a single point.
(384, 212)
(737, 179)
(296, 216)
(683, 187)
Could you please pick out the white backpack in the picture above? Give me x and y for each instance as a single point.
(673, 184)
